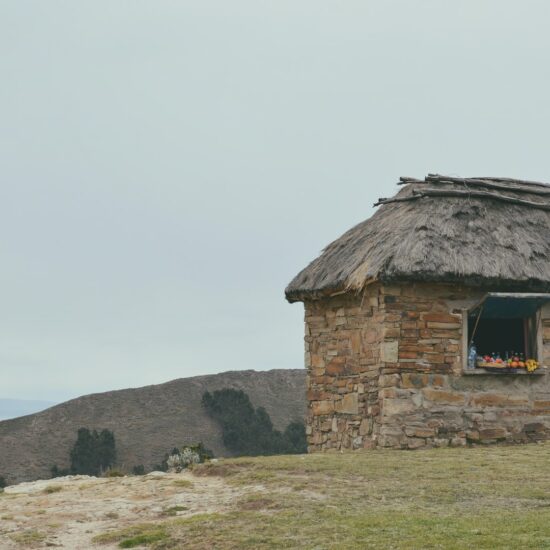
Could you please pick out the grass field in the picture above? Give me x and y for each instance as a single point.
(492, 497)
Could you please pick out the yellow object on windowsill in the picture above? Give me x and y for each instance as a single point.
(531, 365)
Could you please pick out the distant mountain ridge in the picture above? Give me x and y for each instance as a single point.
(147, 421)
(12, 408)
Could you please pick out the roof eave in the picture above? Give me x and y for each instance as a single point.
(303, 295)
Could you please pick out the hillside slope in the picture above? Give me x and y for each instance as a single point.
(147, 421)
(12, 408)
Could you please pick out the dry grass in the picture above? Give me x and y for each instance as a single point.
(52, 489)
(217, 469)
(497, 497)
(173, 510)
(183, 483)
(113, 472)
(256, 502)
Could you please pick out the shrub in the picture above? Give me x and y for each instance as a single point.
(3, 482)
(93, 453)
(177, 460)
(247, 431)
(52, 489)
(138, 470)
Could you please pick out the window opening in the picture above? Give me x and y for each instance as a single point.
(502, 330)
(501, 337)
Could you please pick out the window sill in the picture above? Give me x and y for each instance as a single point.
(541, 371)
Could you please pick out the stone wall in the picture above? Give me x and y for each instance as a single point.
(425, 398)
(386, 369)
(343, 336)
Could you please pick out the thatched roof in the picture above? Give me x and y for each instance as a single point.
(477, 231)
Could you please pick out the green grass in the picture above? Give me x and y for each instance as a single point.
(455, 499)
(28, 538)
(173, 510)
(137, 535)
(141, 540)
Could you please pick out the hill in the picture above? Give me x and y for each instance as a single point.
(147, 421)
(12, 408)
(452, 498)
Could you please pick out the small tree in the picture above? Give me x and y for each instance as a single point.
(248, 431)
(295, 433)
(93, 453)
(3, 482)
(106, 450)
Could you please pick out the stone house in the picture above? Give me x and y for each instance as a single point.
(392, 306)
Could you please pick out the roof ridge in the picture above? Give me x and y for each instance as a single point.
(514, 180)
(455, 179)
(435, 192)
(516, 186)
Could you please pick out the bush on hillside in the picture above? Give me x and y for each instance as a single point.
(247, 431)
(3, 482)
(93, 452)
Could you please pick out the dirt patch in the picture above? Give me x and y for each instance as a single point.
(71, 511)
(257, 504)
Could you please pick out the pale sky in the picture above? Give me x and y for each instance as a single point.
(168, 166)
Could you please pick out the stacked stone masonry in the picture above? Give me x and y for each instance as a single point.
(385, 368)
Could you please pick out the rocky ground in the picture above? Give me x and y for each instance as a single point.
(69, 512)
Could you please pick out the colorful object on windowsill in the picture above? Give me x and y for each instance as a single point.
(514, 362)
(493, 360)
(531, 365)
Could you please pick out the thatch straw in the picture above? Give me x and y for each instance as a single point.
(495, 235)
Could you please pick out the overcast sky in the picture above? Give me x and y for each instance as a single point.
(168, 166)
